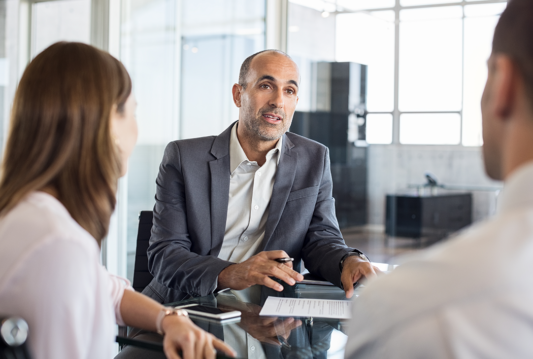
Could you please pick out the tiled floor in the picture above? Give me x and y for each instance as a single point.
(382, 248)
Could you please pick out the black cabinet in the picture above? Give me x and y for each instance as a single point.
(435, 216)
(337, 127)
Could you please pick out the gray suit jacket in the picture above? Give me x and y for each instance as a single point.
(191, 209)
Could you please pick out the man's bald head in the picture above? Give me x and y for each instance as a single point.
(245, 67)
(512, 37)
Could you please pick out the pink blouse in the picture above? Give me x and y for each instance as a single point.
(51, 276)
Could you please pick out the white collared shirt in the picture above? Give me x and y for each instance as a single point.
(249, 199)
(50, 275)
(468, 297)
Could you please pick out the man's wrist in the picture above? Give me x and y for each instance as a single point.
(222, 282)
(355, 253)
(220, 288)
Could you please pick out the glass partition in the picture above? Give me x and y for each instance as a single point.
(8, 63)
(183, 57)
(214, 44)
(60, 20)
(27, 28)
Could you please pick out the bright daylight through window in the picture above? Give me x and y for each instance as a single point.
(439, 52)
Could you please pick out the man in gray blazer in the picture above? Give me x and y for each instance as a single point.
(228, 206)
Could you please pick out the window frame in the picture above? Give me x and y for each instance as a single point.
(396, 113)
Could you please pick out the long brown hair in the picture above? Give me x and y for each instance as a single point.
(60, 133)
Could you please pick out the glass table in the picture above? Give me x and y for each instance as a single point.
(255, 336)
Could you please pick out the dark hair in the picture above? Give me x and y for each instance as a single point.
(60, 133)
(245, 67)
(512, 37)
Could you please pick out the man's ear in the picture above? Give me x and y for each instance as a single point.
(237, 93)
(504, 85)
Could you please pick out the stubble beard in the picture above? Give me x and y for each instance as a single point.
(257, 128)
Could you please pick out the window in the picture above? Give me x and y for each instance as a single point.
(425, 58)
(379, 128)
(28, 27)
(432, 128)
(430, 59)
(368, 38)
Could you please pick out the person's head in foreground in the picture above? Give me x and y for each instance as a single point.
(507, 103)
(72, 131)
(470, 297)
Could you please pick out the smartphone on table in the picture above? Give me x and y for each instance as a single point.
(198, 310)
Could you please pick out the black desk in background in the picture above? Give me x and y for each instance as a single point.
(432, 215)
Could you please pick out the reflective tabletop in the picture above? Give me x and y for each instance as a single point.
(255, 336)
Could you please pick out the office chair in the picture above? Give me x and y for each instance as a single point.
(141, 276)
(13, 335)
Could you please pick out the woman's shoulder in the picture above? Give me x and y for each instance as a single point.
(50, 275)
(39, 220)
(45, 214)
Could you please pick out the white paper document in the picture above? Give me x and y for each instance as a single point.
(299, 307)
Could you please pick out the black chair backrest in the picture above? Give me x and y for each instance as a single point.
(13, 335)
(141, 276)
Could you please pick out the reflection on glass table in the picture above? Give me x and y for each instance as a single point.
(255, 336)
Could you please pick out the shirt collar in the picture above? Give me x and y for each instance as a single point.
(237, 155)
(518, 189)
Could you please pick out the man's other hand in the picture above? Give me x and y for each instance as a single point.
(354, 269)
(258, 270)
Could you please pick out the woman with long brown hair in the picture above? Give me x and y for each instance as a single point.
(72, 131)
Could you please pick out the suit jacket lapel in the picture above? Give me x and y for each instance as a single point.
(220, 178)
(282, 187)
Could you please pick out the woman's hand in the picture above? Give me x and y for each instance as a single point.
(182, 334)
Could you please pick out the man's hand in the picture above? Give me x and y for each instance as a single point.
(257, 270)
(354, 269)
